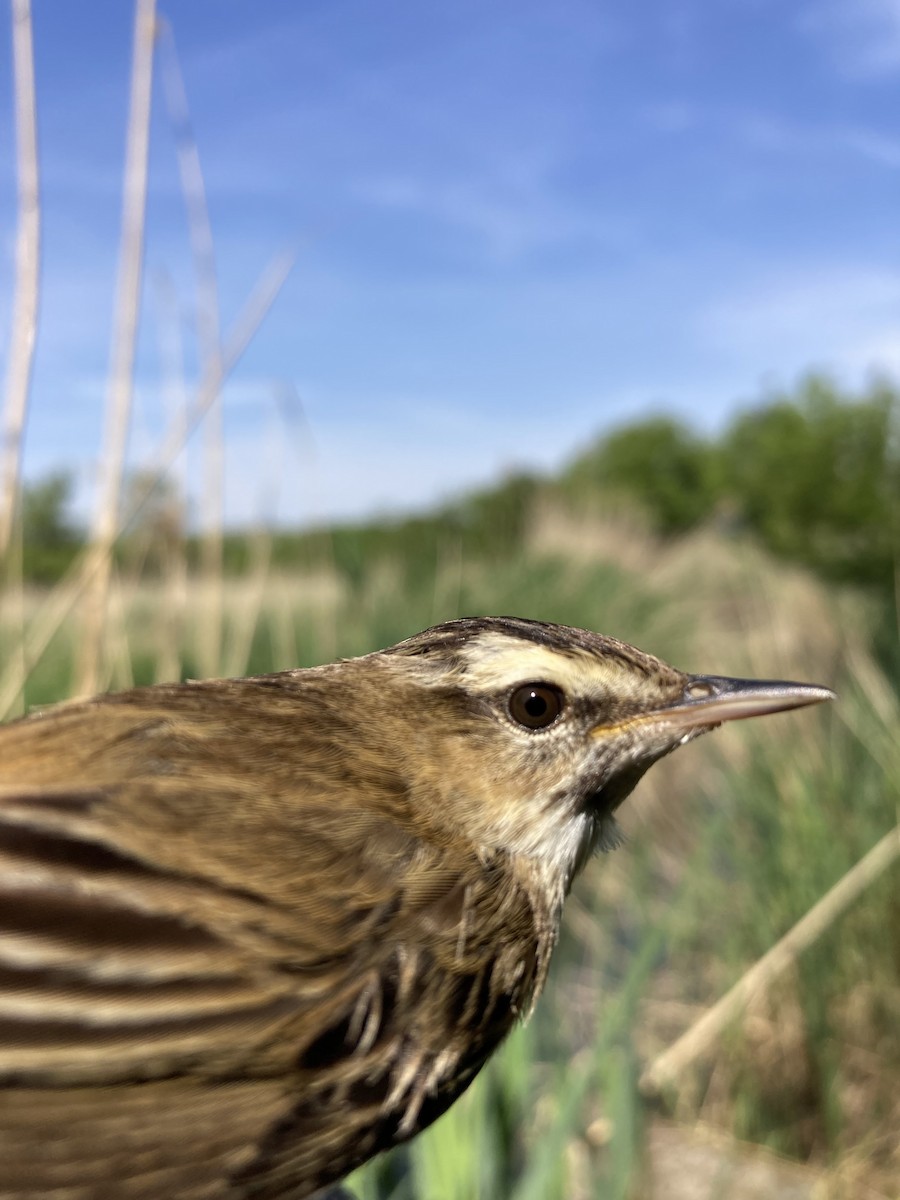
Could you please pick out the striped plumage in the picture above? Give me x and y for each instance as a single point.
(254, 931)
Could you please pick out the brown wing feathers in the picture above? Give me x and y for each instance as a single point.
(211, 1023)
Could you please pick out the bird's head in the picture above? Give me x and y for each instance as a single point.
(529, 736)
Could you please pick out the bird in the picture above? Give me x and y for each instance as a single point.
(255, 931)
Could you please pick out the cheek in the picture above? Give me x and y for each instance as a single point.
(549, 776)
(497, 770)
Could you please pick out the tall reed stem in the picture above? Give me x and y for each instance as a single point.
(121, 371)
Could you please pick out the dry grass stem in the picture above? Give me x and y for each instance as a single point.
(23, 331)
(240, 643)
(248, 322)
(299, 433)
(28, 253)
(124, 339)
(209, 647)
(194, 191)
(667, 1067)
(285, 653)
(879, 736)
(119, 665)
(250, 318)
(51, 614)
(26, 295)
(212, 504)
(173, 549)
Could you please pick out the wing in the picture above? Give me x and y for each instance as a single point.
(117, 957)
(202, 929)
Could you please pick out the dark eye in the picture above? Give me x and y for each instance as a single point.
(536, 705)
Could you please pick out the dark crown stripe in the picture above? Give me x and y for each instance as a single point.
(562, 638)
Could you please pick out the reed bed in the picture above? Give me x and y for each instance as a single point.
(730, 844)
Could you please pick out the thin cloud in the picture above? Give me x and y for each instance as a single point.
(509, 220)
(773, 133)
(862, 36)
(879, 148)
(836, 317)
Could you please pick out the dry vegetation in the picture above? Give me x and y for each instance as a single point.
(730, 843)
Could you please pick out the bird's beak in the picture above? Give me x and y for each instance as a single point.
(710, 699)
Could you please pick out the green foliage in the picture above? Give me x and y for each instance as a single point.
(671, 473)
(772, 825)
(488, 524)
(814, 475)
(817, 477)
(50, 538)
(798, 819)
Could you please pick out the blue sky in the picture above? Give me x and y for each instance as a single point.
(516, 224)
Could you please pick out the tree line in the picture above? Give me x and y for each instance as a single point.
(813, 474)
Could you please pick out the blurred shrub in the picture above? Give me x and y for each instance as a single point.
(817, 477)
(489, 523)
(671, 472)
(814, 475)
(50, 538)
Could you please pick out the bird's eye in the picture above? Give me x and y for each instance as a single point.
(536, 705)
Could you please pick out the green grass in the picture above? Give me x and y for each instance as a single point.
(730, 842)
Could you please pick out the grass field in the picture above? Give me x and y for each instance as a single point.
(729, 843)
